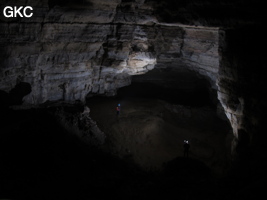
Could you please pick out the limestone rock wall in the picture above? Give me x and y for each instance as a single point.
(200, 52)
(66, 52)
(70, 50)
(242, 87)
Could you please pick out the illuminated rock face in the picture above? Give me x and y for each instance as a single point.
(241, 87)
(73, 50)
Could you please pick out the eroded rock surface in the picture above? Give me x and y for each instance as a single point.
(67, 51)
(241, 87)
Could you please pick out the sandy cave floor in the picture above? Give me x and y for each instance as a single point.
(150, 132)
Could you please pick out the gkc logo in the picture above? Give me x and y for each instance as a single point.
(20, 11)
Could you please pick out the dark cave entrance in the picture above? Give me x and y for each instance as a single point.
(158, 111)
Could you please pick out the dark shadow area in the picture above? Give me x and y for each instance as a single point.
(18, 92)
(210, 13)
(179, 87)
(4, 100)
(198, 96)
(15, 96)
(40, 160)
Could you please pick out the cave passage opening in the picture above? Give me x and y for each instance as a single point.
(159, 110)
(183, 87)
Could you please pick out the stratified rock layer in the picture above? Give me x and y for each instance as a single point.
(70, 51)
(242, 88)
